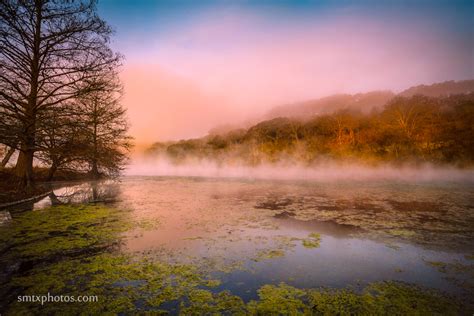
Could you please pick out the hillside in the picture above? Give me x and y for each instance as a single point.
(414, 129)
(441, 89)
(363, 102)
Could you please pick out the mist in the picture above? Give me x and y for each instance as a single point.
(228, 64)
(321, 172)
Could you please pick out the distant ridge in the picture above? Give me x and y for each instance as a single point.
(365, 102)
(441, 89)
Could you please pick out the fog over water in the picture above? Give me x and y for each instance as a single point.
(327, 171)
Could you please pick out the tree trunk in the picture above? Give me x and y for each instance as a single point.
(24, 166)
(51, 171)
(7, 157)
(54, 199)
(24, 169)
(95, 171)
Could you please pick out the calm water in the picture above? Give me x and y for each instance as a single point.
(251, 233)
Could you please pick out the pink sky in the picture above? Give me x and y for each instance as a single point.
(233, 66)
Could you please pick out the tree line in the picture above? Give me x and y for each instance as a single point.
(59, 89)
(407, 129)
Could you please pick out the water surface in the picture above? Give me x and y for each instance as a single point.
(251, 232)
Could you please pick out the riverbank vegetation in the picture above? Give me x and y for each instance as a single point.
(416, 129)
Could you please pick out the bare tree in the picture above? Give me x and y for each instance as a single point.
(105, 127)
(61, 142)
(50, 52)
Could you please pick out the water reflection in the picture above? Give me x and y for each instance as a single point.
(106, 191)
(251, 233)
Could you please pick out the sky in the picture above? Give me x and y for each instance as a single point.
(192, 65)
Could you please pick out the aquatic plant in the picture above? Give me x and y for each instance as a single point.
(72, 251)
(313, 241)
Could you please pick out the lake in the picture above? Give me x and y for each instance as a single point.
(238, 236)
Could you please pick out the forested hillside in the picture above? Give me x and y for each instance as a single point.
(366, 102)
(441, 89)
(413, 129)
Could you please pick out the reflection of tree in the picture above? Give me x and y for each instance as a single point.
(96, 191)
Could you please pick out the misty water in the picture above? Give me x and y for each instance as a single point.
(308, 234)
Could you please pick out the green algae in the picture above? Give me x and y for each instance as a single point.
(313, 241)
(111, 278)
(81, 241)
(202, 302)
(437, 264)
(269, 254)
(70, 251)
(278, 300)
(402, 233)
(383, 298)
(119, 281)
(453, 270)
(62, 230)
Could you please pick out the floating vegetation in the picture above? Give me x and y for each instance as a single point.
(313, 241)
(195, 238)
(269, 254)
(392, 246)
(148, 224)
(125, 286)
(62, 231)
(384, 298)
(84, 250)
